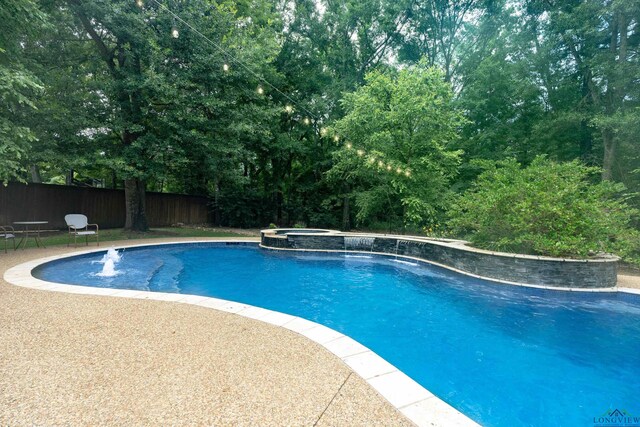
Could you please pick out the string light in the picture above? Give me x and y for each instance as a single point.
(225, 67)
(288, 109)
(174, 32)
(307, 121)
(371, 159)
(140, 3)
(323, 131)
(260, 90)
(336, 138)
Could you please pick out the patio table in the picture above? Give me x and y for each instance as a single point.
(34, 231)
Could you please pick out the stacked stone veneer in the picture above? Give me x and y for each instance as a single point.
(519, 269)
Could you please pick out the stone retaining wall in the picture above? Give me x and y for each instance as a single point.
(513, 268)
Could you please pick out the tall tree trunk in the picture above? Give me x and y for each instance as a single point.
(346, 211)
(586, 142)
(279, 201)
(610, 149)
(134, 196)
(607, 100)
(216, 203)
(612, 98)
(35, 174)
(69, 177)
(586, 138)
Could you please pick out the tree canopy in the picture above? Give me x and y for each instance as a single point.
(400, 127)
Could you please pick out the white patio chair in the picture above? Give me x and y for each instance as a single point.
(7, 232)
(78, 226)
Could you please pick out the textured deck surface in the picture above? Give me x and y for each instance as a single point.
(91, 360)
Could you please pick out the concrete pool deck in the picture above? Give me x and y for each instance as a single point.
(68, 359)
(79, 359)
(628, 281)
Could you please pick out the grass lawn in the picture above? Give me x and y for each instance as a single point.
(54, 238)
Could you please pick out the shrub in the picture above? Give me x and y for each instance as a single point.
(546, 208)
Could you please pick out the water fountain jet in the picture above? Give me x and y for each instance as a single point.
(113, 255)
(108, 269)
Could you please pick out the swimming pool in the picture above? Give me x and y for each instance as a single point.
(503, 355)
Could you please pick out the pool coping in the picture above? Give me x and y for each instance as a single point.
(412, 400)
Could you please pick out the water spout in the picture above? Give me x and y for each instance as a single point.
(359, 243)
(111, 254)
(108, 269)
(397, 246)
(109, 261)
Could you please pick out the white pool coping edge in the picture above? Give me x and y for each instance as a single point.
(415, 402)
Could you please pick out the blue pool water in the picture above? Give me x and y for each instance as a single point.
(502, 355)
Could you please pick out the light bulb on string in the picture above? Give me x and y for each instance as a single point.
(288, 109)
(260, 90)
(336, 138)
(360, 153)
(323, 131)
(140, 3)
(225, 67)
(306, 121)
(388, 167)
(407, 173)
(380, 163)
(174, 31)
(349, 145)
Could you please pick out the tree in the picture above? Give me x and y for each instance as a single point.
(441, 32)
(504, 95)
(602, 42)
(555, 78)
(125, 44)
(327, 48)
(164, 93)
(70, 118)
(400, 127)
(20, 18)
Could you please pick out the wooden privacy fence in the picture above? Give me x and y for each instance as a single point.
(45, 202)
